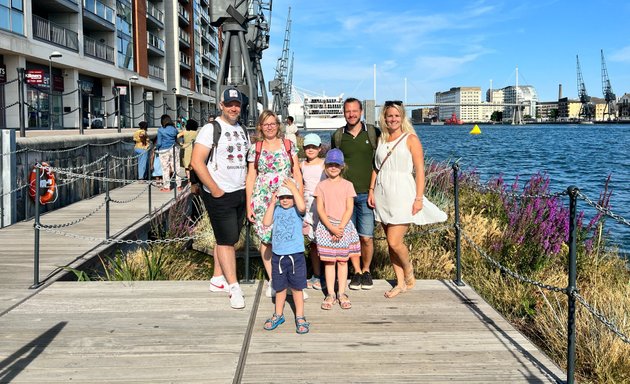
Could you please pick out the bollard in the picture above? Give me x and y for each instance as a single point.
(458, 255)
(36, 224)
(573, 192)
(107, 197)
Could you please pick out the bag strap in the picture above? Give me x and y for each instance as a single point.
(391, 150)
(287, 148)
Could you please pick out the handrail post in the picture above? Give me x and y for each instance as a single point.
(247, 233)
(174, 163)
(107, 199)
(80, 93)
(36, 224)
(150, 186)
(571, 289)
(118, 105)
(458, 254)
(21, 102)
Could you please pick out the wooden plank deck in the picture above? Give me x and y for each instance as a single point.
(16, 241)
(179, 332)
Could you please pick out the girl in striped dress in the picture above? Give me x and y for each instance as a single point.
(337, 238)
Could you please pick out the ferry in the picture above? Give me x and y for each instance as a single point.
(323, 112)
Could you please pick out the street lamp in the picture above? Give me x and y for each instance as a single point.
(132, 78)
(53, 55)
(188, 104)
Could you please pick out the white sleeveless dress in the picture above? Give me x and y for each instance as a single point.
(395, 189)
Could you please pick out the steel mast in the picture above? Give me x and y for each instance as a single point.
(587, 108)
(611, 99)
(279, 86)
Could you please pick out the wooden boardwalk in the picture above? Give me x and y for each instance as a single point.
(179, 332)
(56, 251)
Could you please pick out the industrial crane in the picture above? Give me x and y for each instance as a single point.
(587, 109)
(279, 86)
(610, 108)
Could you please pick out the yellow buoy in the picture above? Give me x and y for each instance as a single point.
(475, 130)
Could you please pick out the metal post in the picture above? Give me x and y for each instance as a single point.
(573, 192)
(80, 93)
(21, 103)
(174, 162)
(118, 105)
(107, 197)
(247, 232)
(150, 187)
(458, 254)
(36, 226)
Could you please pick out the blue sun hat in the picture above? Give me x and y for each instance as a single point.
(312, 139)
(334, 156)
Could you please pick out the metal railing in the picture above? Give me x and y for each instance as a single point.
(48, 31)
(98, 50)
(99, 9)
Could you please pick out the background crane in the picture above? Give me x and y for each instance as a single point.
(587, 108)
(610, 108)
(279, 86)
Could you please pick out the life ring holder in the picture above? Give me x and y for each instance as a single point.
(47, 180)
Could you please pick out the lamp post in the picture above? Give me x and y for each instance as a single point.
(132, 78)
(53, 55)
(188, 104)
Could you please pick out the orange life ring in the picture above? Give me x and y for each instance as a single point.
(47, 180)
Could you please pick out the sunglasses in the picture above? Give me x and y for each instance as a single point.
(311, 147)
(391, 103)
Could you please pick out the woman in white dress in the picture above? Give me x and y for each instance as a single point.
(397, 197)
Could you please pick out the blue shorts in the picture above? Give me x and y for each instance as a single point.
(363, 216)
(288, 271)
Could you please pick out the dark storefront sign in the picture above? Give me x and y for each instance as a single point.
(3, 73)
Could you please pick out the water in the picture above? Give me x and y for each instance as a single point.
(580, 155)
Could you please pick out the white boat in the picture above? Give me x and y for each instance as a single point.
(323, 112)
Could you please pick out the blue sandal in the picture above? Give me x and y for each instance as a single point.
(303, 327)
(273, 322)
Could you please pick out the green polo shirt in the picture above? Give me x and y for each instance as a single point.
(358, 155)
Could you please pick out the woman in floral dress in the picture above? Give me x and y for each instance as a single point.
(274, 165)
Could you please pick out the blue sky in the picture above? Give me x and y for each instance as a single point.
(437, 45)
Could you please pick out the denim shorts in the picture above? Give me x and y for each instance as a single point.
(288, 271)
(363, 216)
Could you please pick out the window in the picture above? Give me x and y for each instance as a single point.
(11, 16)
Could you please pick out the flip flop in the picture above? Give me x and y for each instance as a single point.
(328, 302)
(397, 290)
(344, 301)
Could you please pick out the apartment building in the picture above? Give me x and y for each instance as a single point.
(525, 95)
(466, 103)
(106, 61)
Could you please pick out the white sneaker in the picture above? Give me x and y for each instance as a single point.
(270, 292)
(237, 301)
(219, 285)
(304, 294)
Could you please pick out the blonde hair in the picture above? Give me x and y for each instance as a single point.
(406, 123)
(264, 115)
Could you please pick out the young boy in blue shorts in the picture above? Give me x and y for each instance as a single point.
(288, 265)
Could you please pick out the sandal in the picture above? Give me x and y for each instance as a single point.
(273, 322)
(314, 283)
(397, 290)
(328, 302)
(301, 325)
(344, 301)
(410, 280)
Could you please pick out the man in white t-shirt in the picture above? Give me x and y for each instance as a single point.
(223, 179)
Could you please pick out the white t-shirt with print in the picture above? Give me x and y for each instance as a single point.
(228, 167)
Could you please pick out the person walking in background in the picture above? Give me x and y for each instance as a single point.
(313, 171)
(168, 151)
(288, 266)
(337, 239)
(358, 142)
(189, 135)
(141, 149)
(223, 192)
(398, 199)
(270, 161)
(290, 130)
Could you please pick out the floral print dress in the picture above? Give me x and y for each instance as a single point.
(273, 168)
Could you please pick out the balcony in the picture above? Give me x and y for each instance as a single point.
(185, 83)
(183, 14)
(98, 50)
(184, 60)
(99, 9)
(156, 72)
(155, 42)
(184, 37)
(155, 15)
(46, 30)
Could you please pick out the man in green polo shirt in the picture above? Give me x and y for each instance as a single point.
(357, 141)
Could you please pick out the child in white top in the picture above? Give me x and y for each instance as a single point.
(312, 173)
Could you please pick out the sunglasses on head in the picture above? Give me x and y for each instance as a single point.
(390, 103)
